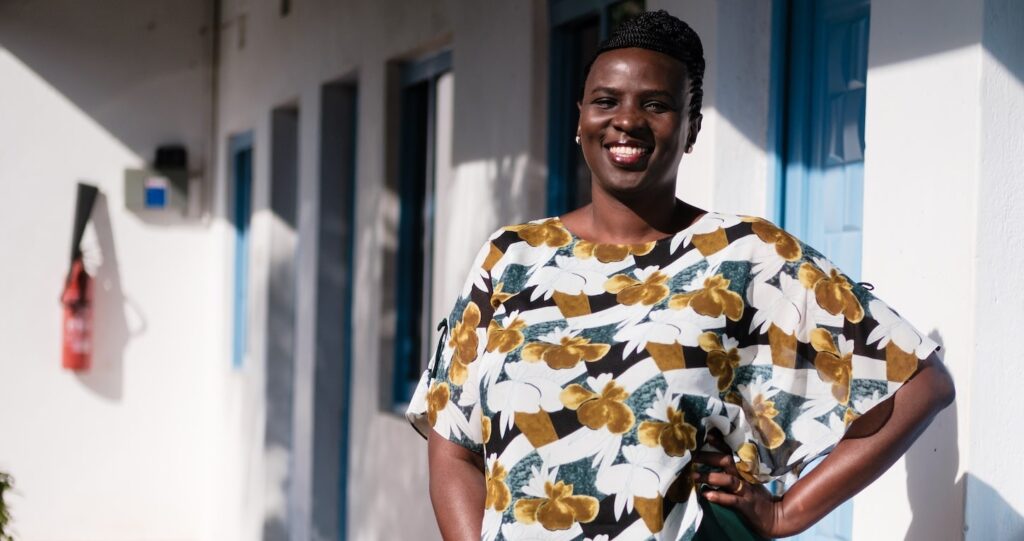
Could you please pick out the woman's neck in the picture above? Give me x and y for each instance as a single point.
(620, 220)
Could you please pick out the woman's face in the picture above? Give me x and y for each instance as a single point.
(634, 126)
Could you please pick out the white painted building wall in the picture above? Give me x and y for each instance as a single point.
(164, 439)
(920, 187)
(496, 178)
(995, 495)
(119, 452)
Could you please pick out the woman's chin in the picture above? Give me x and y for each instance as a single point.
(632, 184)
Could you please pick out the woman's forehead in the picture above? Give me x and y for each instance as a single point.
(636, 67)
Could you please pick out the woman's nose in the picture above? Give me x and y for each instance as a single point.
(628, 119)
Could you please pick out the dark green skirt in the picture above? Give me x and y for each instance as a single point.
(721, 523)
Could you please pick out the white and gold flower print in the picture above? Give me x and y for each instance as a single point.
(647, 288)
(664, 333)
(600, 404)
(815, 436)
(709, 295)
(587, 374)
(444, 416)
(760, 409)
(668, 428)
(834, 362)
(708, 233)
(563, 349)
(570, 277)
(640, 482)
(530, 391)
(552, 503)
(902, 343)
(724, 357)
(780, 307)
(518, 531)
(832, 290)
(609, 253)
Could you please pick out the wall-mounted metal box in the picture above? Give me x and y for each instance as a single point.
(149, 190)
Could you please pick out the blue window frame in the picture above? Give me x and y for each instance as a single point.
(240, 173)
(415, 167)
(577, 28)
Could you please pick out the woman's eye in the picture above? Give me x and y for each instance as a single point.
(657, 107)
(604, 103)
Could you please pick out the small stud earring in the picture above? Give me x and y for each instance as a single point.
(577, 139)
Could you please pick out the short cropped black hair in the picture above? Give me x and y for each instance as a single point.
(661, 32)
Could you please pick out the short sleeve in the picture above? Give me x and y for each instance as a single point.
(453, 401)
(828, 350)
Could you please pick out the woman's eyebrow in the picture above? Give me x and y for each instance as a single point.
(605, 90)
(659, 94)
(644, 94)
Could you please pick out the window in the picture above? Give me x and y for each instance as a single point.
(424, 93)
(240, 156)
(334, 276)
(577, 28)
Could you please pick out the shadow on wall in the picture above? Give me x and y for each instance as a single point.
(1003, 521)
(111, 331)
(80, 49)
(936, 494)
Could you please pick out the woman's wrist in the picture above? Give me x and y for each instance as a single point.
(786, 521)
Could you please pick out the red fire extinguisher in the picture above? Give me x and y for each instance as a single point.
(77, 301)
(77, 295)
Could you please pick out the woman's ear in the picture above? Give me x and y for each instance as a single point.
(692, 130)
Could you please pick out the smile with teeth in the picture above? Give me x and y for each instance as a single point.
(625, 151)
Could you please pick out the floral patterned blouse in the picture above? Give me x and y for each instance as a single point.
(586, 374)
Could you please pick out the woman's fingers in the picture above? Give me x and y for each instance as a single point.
(714, 438)
(718, 460)
(723, 498)
(720, 481)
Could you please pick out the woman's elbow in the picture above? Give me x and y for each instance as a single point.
(940, 383)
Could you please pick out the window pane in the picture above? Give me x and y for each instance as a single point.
(425, 101)
(412, 194)
(587, 37)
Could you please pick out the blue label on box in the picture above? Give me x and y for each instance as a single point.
(156, 193)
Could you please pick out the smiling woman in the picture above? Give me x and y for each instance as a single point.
(640, 366)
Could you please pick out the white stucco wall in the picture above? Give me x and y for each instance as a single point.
(995, 497)
(920, 197)
(119, 452)
(729, 169)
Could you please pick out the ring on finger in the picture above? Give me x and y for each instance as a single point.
(739, 486)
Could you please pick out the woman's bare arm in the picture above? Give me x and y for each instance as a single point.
(872, 444)
(457, 489)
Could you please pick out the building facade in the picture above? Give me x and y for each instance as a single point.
(253, 350)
